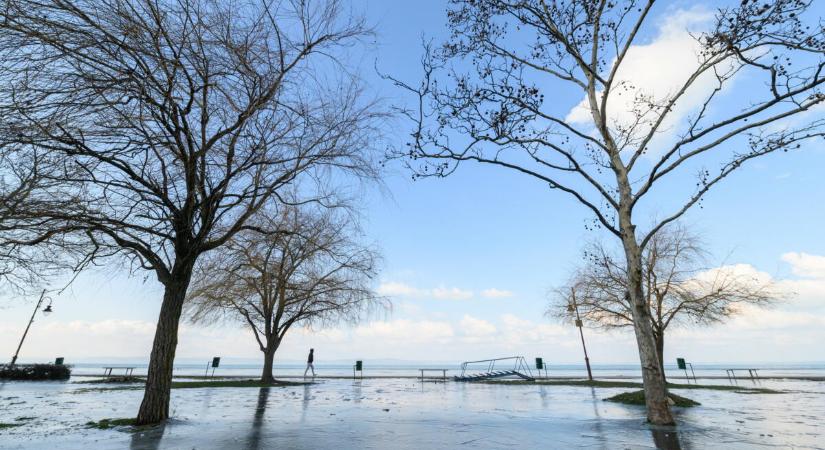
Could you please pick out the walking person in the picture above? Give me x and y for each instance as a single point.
(310, 360)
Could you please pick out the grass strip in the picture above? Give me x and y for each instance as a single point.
(638, 398)
(105, 424)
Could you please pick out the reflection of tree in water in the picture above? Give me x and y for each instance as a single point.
(665, 438)
(148, 439)
(258, 420)
(598, 428)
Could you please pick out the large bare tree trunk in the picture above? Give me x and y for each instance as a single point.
(269, 357)
(155, 405)
(659, 337)
(658, 410)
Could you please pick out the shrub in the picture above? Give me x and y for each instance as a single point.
(35, 372)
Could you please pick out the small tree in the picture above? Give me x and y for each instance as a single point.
(177, 121)
(484, 99)
(311, 273)
(679, 288)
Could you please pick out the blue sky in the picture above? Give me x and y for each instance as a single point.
(469, 259)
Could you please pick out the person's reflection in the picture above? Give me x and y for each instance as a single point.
(148, 439)
(258, 420)
(305, 402)
(665, 438)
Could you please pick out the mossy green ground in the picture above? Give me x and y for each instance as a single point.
(114, 380)
(105, 424)
(638, 398)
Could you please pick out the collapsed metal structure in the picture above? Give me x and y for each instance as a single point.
(488, 369)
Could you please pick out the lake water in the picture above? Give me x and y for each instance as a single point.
(229, 368)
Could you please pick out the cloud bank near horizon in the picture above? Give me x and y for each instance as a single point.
(793, 329)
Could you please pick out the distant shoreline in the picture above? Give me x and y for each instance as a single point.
(449, 377)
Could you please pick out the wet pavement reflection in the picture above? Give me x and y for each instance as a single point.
(408, 414)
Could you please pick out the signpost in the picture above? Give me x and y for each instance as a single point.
(573, 307)
(46, 311)
(216, 361)
(540, 365)
(680, 362)
(358, 367)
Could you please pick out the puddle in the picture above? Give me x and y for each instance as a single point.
(406, 414)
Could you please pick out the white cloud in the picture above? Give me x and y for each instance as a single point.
(792, 330)
(403, 290)
(764, 320)
(82, 338)
(518, 331)
(738, 275)
(496, 293)
(405, 330)
(805, 265)
(443, 293)
(658, 70)
(396, 289)
(474, 327)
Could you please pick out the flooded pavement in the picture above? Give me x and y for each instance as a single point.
(408, 414)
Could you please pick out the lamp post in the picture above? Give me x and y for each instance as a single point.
(574, 307)
(46, 311)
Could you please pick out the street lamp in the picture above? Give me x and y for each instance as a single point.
(574, 307)
(46, 311)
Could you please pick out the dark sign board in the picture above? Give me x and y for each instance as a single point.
(58, 361)
(539, 363)
(359, 365)
(216, 361)
(681, 363)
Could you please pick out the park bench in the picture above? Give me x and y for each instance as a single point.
(127, 371)
(752, 373)
(443, 373)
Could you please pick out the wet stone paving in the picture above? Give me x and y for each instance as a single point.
(408, 414)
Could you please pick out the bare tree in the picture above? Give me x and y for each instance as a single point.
(483, 98)
(679, 287)
(178, 121)
(314, 274)
(19, 178)
(26, 187)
